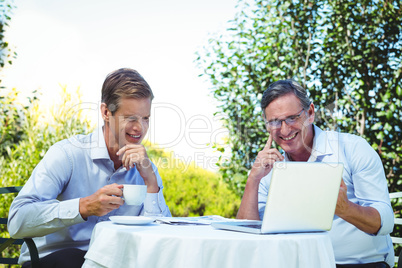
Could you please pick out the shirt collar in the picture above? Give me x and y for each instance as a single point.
(99, 149)
(320, 144)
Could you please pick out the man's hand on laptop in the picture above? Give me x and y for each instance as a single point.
(265, 160)
(343, 202)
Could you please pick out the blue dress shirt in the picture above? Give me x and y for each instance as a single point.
(47, 207)
(367, 186)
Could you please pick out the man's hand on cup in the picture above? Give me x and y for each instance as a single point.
(265, 160)
(103, 201)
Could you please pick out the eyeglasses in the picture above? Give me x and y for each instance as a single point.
(290, 121)
(134, 119)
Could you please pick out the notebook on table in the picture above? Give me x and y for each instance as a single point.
(302, 198)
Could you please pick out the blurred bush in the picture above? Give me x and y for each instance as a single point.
(190, 190)
(27, 133)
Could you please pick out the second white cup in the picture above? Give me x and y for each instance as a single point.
(134, 195)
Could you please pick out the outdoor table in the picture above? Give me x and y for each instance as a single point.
(161, 245)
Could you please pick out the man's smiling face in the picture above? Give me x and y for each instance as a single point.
(131, 121)
(295, 138)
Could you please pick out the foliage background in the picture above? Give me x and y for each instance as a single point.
(347, 54)
(6, 53)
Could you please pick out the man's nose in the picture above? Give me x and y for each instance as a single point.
(138, 126)
(285, 128)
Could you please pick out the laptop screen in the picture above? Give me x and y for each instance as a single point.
(302, 196)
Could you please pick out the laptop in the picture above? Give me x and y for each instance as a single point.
(301, 198)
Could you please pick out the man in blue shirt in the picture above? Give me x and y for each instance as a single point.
(79, 181)
(363, 216)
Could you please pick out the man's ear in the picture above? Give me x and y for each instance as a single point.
(311, 114)
(105, 112)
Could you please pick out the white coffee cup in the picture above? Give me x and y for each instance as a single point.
(134, 194)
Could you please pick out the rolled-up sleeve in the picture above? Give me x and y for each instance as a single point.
(387, 218)
(370, 184)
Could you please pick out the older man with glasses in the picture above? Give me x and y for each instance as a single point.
(363, 215)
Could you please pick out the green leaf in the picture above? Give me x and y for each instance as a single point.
(376, 126)
(399, 91)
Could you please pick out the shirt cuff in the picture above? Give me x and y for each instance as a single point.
(387, 219)
(69, 212)
(153, 204)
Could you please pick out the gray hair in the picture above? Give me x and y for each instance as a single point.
(284, 87)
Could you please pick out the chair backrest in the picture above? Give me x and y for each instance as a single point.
(396, 201)
(6, 242)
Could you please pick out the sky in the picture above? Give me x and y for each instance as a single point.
(77, 43)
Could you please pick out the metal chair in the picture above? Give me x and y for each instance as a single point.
(395, 201)
(5, 242)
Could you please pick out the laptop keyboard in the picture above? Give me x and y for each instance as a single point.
(255, 226)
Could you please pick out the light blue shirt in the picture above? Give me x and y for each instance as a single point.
(47, 207)
(367, 186)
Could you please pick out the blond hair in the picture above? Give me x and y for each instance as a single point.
(124, 83)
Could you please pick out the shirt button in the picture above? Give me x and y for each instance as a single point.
(153, 202)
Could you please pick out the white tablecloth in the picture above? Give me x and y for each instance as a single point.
(160, 245)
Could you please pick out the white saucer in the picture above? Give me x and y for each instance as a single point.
(132, 220)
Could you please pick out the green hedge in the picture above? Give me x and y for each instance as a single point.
(190, 190)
